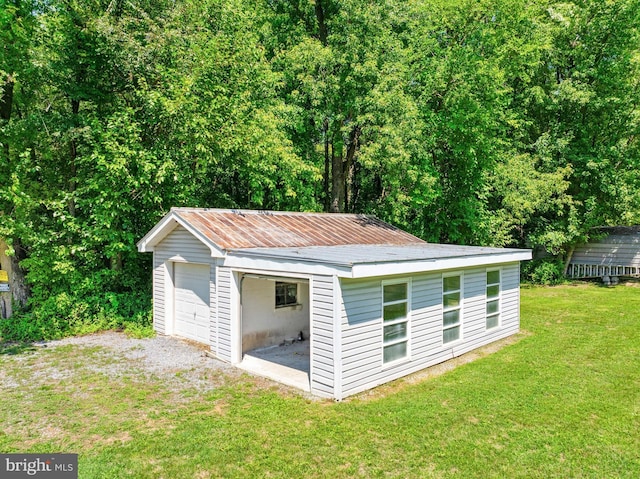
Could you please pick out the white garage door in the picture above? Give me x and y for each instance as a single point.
(192, 301)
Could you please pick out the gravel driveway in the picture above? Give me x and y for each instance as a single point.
(180, 364)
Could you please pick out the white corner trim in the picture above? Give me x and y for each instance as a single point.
(337, 341)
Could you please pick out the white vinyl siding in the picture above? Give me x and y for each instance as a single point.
(395, 321)
(451, 307)
(613, 255)
(493, 298)
(160, 279)
(178, 246)
(225, 283)
(361, 312)
(182, 246)
(322, 336)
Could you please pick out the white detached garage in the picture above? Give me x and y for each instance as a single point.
(341, 302)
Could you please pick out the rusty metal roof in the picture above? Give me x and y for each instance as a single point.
(232, 229)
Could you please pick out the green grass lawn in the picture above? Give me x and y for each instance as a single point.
(563, 401)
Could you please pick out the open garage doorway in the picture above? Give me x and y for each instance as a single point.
(276, 328)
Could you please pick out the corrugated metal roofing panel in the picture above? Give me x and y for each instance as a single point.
(233, 229)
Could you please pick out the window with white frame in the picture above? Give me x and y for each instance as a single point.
(493, 298)
(395, 321)
(451, 308)
(286, 294)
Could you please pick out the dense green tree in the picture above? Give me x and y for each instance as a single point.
(461, 95)
(138, 107)
(220, 123)
(17, 26)
(347, 76)
(574, 101)
(497, 122)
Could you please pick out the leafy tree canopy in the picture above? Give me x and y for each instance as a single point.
(494, 122)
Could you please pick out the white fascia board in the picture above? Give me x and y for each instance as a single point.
(165, 226)
(281, 265)
(367, 270)
(157, 233)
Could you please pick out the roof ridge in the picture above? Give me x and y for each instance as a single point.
(241, 211)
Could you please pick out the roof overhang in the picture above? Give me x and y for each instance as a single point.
(166, 225)
(371, 261)
(431, 265)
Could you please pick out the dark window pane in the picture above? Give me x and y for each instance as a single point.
(493, 291)
(286, 294)
(395, 292)
(292, 293)
(493, 277)
(451, 283)
(395, 311)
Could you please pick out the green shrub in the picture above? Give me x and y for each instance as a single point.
(64, 314)
(543, 271)
(139, 331)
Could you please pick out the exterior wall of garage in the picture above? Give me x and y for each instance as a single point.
(324, 342)
(345, 316)
(361, 324)
(179, 246)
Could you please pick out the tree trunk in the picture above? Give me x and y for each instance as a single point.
(116, 262)
(20, 288)
(6, 104)
(73, 154)
(327, 165)
(568, 260)
(19, 291)
(354, 137)
(322, 25)
(6, 100)
(337, 182)
(331, 203)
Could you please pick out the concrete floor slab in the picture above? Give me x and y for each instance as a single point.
(288, 364)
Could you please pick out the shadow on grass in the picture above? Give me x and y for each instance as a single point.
(16, 348)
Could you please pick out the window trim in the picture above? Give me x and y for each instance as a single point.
(285, 284)
(459, 308)
(406, 320)
(498, 298)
